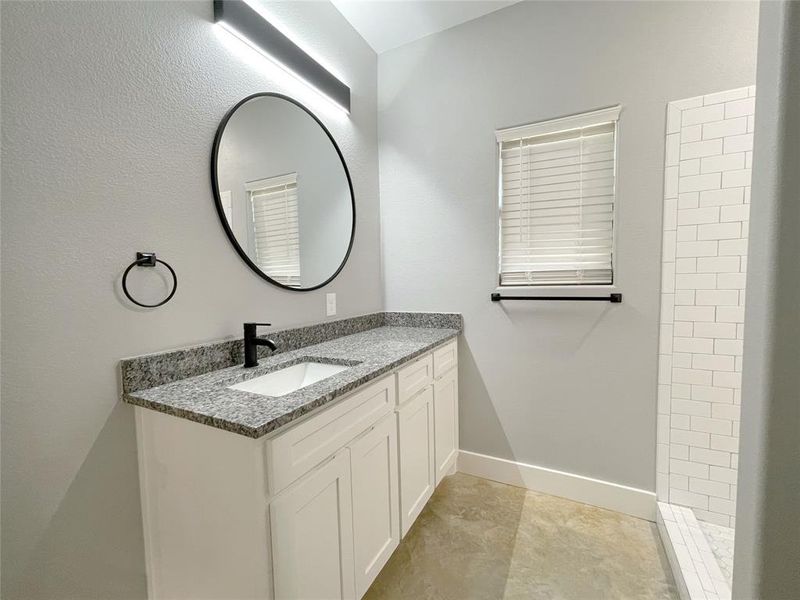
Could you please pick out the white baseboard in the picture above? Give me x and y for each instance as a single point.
(621, 498)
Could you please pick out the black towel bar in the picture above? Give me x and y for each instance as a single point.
(615, 298)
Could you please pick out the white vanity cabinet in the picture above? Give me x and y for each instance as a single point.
(312, 534)
(445, 418)
(417, 481)
(376, 514)
(315, 509)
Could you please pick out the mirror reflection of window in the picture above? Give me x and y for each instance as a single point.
(264, 139)
(275, 227)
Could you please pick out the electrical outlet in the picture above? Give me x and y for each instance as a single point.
(330, 304)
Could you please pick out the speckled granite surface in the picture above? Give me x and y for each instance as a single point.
(423, 319)
(207, 399)
(151, 370)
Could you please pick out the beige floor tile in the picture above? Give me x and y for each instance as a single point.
(485, 540)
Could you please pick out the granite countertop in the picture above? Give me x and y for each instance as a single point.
(207, 398)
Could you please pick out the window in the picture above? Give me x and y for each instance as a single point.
(557, 192)
(276, 234)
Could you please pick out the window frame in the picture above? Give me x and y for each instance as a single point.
(549, 126)
(268, 183)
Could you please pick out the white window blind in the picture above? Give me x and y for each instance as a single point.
(557, 194)
(276, 227)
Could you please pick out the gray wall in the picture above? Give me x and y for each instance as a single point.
(767, 557)
(109, 113)
(566, 386)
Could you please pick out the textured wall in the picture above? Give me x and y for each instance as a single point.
(566, 386)
(109, 113)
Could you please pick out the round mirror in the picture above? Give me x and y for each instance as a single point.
(283, 192)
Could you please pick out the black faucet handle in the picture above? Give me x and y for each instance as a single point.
(251, 329)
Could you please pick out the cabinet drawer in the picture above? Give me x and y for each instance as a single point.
(291, 454)
(414, 377)
(445, 358)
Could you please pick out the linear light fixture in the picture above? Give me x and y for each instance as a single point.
(245, 22)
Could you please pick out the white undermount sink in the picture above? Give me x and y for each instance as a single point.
(285, 381)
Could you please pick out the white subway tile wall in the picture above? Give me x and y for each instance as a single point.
(708, 157)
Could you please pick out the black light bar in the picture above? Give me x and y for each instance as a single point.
(246, 23)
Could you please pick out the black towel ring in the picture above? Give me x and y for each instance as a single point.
(148, 259)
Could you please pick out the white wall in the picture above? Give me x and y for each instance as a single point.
(109, 114)
(708, 160)
(767, 525)
(566, 386)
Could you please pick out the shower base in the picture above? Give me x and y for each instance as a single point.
(700, 553)
(721, 541)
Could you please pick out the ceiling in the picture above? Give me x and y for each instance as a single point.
(387, 24)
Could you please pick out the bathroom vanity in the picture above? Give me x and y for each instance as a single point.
(303, 495)
(296, 477)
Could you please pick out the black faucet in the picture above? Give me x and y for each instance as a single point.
(251, 344)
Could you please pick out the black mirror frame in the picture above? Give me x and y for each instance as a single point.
(218, 201)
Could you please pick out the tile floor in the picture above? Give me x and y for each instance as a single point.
(693, 561)
(479, 539)
(721, 541)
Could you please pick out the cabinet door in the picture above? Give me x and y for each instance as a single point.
(415, 442)
(445, 422)
(312, 534)
(376, 511)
